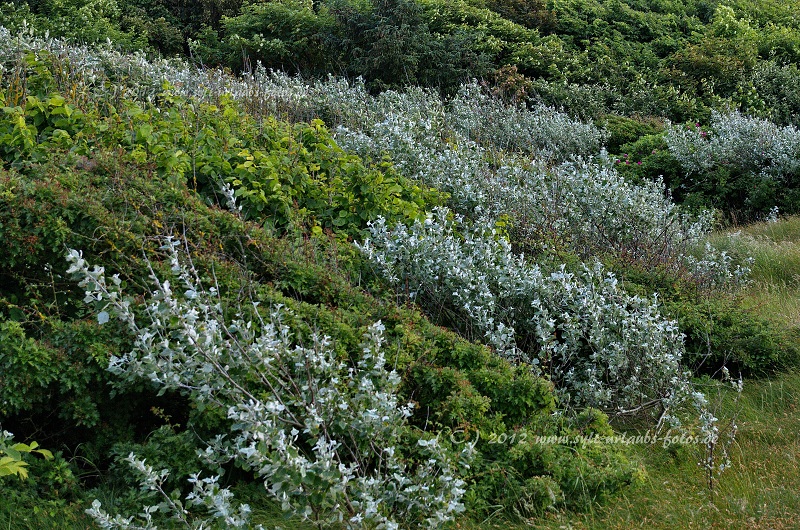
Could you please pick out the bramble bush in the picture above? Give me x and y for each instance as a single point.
(284, 174)
(622, 130)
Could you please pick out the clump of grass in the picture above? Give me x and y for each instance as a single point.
(785, 229)
(27, 512)
(775, 279)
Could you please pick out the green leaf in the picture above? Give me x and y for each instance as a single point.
(45, 453)
(9, 466)
(56, 101)
(16, 314)
(13, 453)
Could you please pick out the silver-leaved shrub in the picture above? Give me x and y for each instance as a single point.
(750, 145)
(603, 347)
(583, 205)
(330, 439)
(541, 133)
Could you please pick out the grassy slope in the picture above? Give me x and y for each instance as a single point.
(759, 491)
(775, 290)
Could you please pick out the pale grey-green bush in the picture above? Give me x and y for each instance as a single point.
(326, 437)
(541, 133)
(602, 347)
(750, 145)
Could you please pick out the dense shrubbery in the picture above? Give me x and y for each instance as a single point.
(739, 164)
(549, 208)
(742, 166)
(283, 173)
(602, 348)
(113, 153)
(590, 57)
(582, 206)
(126, 177)
(163, 26)
(32, 372)
(717, 330)
(541, 134)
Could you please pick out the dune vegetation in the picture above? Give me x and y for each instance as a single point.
(399, 264)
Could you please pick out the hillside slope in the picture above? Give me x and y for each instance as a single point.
(389, 299)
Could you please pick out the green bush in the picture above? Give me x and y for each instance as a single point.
(718, 331)
(286, 35)
(284, 174)
(528, 13)
(624, 130)
(648, 159)
(772, 91)
(665, 59)
(303, 175)
(84, 21)
(69, 368)
(527, 471)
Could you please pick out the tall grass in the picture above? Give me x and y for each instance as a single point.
(19, 512)
(774, 290)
